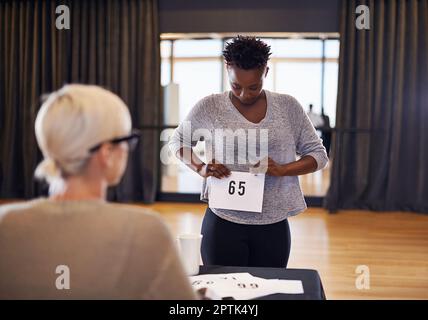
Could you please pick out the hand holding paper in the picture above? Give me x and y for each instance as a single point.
(241, 191)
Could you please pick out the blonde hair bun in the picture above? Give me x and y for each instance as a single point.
(71, 121)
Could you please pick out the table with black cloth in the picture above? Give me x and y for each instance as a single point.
(312, 286)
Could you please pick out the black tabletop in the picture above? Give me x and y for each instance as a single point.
(312, 286)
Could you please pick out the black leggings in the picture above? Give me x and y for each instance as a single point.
(232, 244)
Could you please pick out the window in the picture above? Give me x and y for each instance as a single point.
(301, 80)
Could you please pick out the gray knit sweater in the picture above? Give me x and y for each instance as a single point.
(289, 133)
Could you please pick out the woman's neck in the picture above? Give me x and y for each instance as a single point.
(81, 188)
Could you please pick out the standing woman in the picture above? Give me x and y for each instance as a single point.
(241, 238)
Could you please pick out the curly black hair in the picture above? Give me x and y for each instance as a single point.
(246, 52)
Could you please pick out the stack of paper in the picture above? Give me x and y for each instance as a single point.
(244, 286)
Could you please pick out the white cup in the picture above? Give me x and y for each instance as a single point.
(189, 246)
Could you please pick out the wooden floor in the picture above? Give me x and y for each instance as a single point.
(393, 245)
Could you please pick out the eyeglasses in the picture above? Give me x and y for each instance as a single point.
(131, 139)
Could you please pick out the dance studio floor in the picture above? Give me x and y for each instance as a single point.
(393, 245)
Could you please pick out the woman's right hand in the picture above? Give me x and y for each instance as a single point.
(214, 169)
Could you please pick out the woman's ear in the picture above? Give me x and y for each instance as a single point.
(104, 155)
(266, 72)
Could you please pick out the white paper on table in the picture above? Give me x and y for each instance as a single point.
(285, 286)
(225, 285)
(244, 286)
(222, 276)
(242, 191)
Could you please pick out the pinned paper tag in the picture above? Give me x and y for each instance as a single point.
(242, 191)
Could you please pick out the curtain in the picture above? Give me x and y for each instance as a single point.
(114, 44)
(380, 159)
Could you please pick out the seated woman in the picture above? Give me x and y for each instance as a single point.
(75, 244)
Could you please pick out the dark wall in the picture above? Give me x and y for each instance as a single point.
(249, 15)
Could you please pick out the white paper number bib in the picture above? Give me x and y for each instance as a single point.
(240, 191)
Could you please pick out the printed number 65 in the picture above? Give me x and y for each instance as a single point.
(241, 187)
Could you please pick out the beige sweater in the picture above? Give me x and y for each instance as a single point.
(111, 251)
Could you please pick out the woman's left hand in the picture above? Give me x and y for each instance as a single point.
(273, 168)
